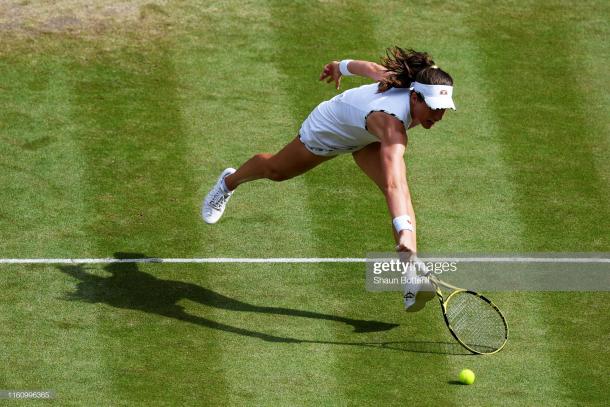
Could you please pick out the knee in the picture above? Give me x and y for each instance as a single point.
(263, 157)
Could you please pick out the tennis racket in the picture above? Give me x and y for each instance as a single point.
(473, 320)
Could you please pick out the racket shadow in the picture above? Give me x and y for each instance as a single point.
(433, 347)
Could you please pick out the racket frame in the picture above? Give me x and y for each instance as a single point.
(436, 283)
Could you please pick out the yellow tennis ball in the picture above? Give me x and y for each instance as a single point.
(466, 376)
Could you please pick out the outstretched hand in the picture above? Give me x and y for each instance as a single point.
(406, 243)
(332, 73)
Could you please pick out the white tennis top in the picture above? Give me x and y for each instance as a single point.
(339, 125)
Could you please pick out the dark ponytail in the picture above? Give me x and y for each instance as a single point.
(408, 66)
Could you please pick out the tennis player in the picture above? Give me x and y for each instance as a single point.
(370, 122)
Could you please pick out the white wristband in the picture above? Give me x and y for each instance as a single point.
(343, 67)
(403, 223)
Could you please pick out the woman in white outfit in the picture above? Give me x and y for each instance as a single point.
(370, 122)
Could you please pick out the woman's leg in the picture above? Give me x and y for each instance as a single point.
(294, 159)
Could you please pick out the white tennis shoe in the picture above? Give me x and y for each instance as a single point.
(216, 200)
(409, 299)
(418, 290)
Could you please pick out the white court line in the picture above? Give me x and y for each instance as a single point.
(583, 260)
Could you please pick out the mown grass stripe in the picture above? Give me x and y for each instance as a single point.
(594, 55)
(562, 206)
(47, 214)
(233, 108)
(42, 207)
(137, 173)
(134, 141)
(507, 228)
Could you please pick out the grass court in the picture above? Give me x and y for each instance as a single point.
(116, 117)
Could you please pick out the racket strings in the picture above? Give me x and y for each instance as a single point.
(476, 322)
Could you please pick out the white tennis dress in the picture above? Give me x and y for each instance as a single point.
(338, 125)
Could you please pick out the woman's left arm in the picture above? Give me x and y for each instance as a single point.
(366, 69)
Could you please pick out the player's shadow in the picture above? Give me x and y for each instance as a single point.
(130, 288)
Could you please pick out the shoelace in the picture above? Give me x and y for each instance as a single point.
(218, 200)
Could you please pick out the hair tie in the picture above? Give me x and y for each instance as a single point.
(433, 66)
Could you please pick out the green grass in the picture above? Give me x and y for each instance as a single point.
(111, 132)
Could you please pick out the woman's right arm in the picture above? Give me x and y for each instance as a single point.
(393, 140)
(366, 69)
